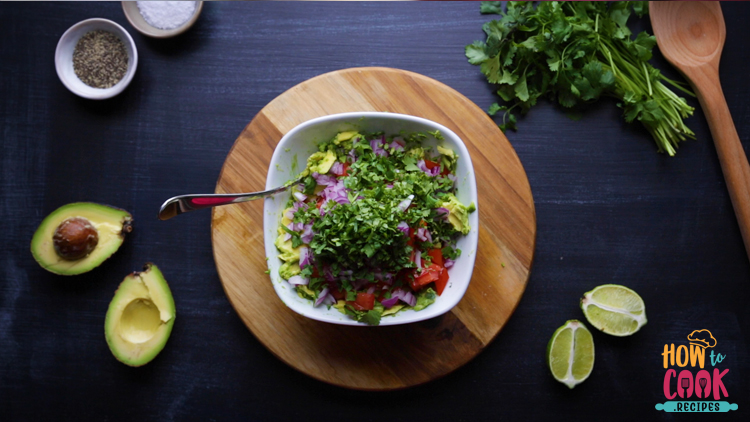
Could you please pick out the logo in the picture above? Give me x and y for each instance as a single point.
(699, 385)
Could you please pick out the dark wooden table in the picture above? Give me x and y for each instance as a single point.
(609, 210)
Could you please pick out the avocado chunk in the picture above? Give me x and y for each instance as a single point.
(289, 270)
(320, 162)
(287, 252)
(140, 317)
(78, 237)
(458, 214)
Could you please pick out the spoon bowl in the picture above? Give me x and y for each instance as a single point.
(690, 34)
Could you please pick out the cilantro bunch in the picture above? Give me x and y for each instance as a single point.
(574, 53)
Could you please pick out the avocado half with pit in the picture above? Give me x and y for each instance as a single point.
(78, 237)
(140, 317)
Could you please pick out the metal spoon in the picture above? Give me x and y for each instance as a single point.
(691, 36)
(186, 203)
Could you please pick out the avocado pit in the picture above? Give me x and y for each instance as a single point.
(78, 237)
(75, 238)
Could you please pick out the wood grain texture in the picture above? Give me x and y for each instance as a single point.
(393, 357)
(691, 36)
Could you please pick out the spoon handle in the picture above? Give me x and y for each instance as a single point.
(732, 157)
(186, 203)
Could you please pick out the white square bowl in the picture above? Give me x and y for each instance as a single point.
(290, 158)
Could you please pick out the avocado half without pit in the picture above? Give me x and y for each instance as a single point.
(140, 317)
(78, 237)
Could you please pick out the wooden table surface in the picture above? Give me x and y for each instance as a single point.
(609, 210)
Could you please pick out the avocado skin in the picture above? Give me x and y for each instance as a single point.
(112, 223)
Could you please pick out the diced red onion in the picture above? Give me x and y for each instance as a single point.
(403, 205)
(403, 227)
(397, 144)
(307, 233)
(388, 279)
(322, 296)
(371, 290)
(388, 303)
(300, 196)
(352, 156)
(443, 213)
(324, 179)
(329, 300)
(452, 177)
(289, 214)
(297, 206)
(287, 236)
(377, 147)
(447, 263)
(410, 299)
(304, 256)
(336, 192)
(418, 259)
(430, 172)
(424, 235)
(337, 168)
(406, 297)
(298, 280)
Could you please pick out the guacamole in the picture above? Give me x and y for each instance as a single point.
(372, 229)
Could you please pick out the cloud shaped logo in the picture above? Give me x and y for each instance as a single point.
(702, 338)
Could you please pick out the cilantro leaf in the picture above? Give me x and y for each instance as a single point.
(575, 53)
(371, 317)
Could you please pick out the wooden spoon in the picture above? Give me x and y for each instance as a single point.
(691, 36)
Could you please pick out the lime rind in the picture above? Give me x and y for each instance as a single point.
(615, 310)
(570, 353)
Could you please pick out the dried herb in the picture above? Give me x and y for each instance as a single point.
(100, 59)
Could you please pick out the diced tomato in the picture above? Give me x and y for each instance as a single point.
(442, 281)
(315, 272)
(427, 276)
(437, 256)
(430, 164)
(336, 293)
(320, 202)
(364, 302)
(346, 168)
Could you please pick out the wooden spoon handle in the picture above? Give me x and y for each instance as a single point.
(728, 147)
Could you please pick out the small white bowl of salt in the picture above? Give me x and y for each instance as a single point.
(162, 19)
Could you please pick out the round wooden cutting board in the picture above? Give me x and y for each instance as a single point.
(392, 357)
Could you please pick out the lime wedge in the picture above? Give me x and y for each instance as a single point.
(614, 309)
(570, 353)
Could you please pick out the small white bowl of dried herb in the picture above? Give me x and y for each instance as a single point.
(96, 59)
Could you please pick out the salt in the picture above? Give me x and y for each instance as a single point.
(166, 14)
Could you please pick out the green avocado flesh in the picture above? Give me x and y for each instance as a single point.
(110, 223)
(140, 317)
